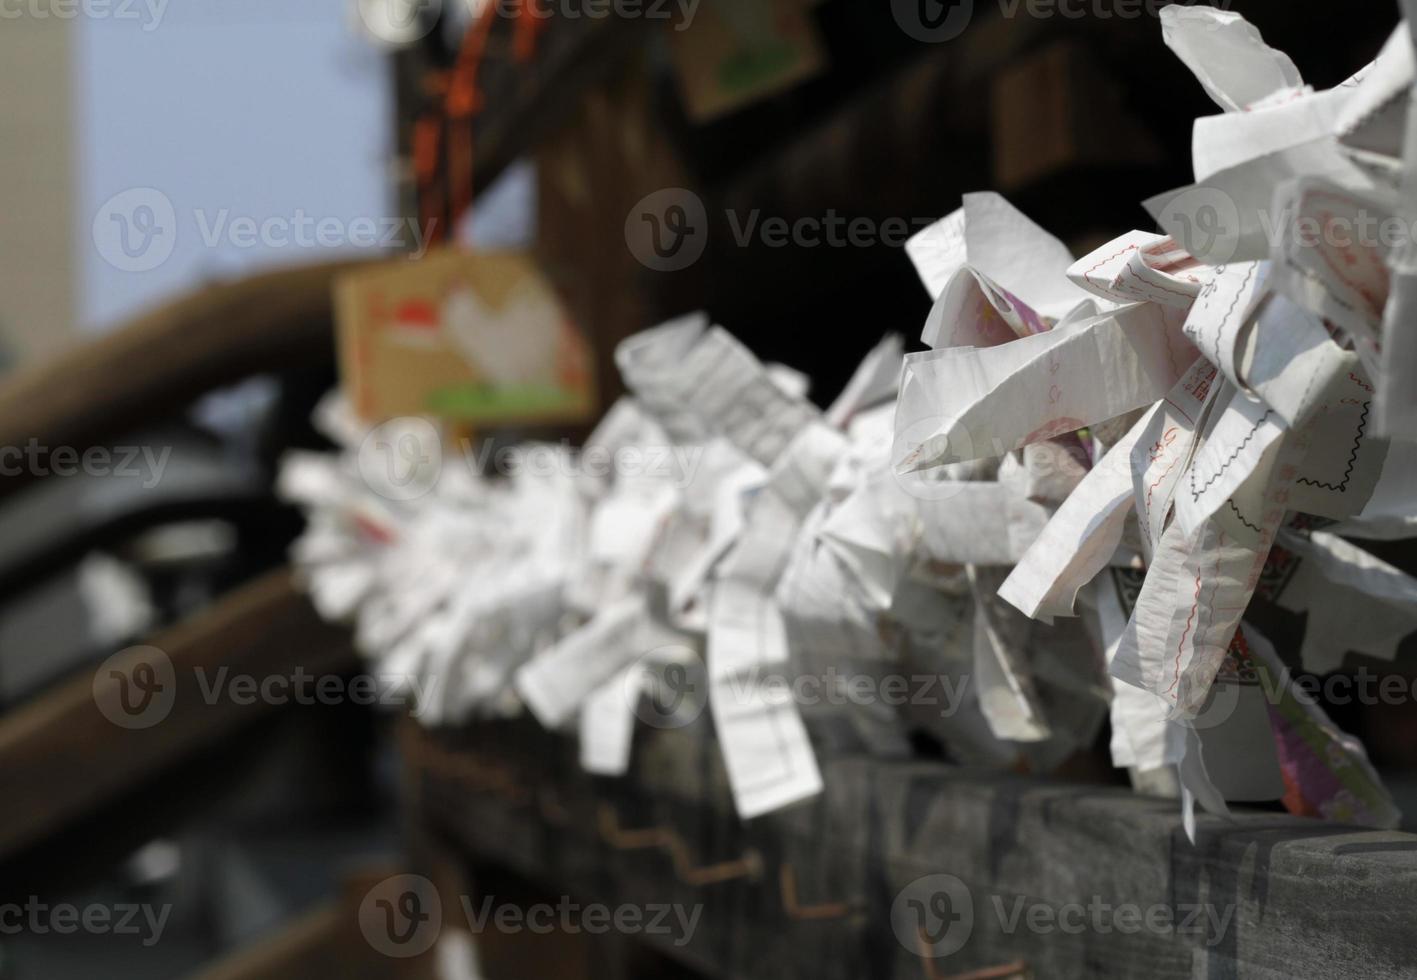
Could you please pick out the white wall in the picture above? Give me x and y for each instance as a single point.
(36, 190)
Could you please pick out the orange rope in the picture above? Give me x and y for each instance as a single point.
(462, 102)
(427, 146)
(427, 140)
(530, 24)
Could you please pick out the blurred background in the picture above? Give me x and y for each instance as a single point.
(183, 179)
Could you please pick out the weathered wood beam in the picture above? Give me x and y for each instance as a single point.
(306, 947)
(326, 941)
(1273, 895)
(526, 102)
(61, 756)
(160, 361)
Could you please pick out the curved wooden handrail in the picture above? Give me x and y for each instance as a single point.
(163, 359)
(61, 757)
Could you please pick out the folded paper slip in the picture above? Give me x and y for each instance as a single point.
(967, 403)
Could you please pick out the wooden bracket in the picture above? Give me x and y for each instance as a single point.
(1017, 970)
(470, 771)
(551, 809)
(787, 882)
(630, 840)
(750, 865)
